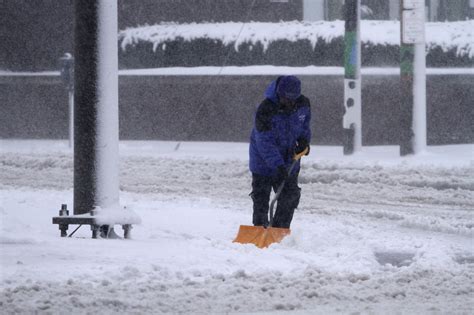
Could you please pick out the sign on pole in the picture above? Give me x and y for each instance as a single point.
(413, 26)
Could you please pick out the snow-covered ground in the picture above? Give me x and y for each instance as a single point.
(374, 233)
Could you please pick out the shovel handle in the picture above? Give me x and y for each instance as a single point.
(296, 157)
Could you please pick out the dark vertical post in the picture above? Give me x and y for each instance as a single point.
(85, 111)
(352, 121)
(96, 108)
(407, 53)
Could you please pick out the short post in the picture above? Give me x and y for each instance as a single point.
(95, 230)
(63, 226)
(127, 228)
(67, 76)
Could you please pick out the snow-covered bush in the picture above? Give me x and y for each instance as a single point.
(286, 43)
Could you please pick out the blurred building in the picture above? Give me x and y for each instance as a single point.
(436, 10)
(135, 12)
(35, 33)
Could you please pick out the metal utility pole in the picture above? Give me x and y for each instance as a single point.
(412, 77)
(96, 133)
(352, 120)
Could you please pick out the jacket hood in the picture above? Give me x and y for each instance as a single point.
(271, 93)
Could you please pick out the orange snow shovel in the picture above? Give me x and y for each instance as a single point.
(265, 236)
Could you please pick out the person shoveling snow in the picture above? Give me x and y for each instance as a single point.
(280, 136)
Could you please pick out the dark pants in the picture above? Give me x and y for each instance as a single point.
(286, 203)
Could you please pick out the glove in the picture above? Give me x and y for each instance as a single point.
(281, 174)
(302, 145)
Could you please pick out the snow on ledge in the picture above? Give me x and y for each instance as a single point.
(447, 35)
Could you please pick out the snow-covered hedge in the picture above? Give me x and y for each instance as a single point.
(286, 43)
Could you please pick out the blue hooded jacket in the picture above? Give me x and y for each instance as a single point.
(276, 132)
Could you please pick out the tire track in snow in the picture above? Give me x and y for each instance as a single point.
(427, 197)
(231, 179)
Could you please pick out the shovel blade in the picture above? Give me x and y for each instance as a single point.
(260, 236)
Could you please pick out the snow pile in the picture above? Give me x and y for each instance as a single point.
(116, 215)
(374, 233)
(446, 35)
